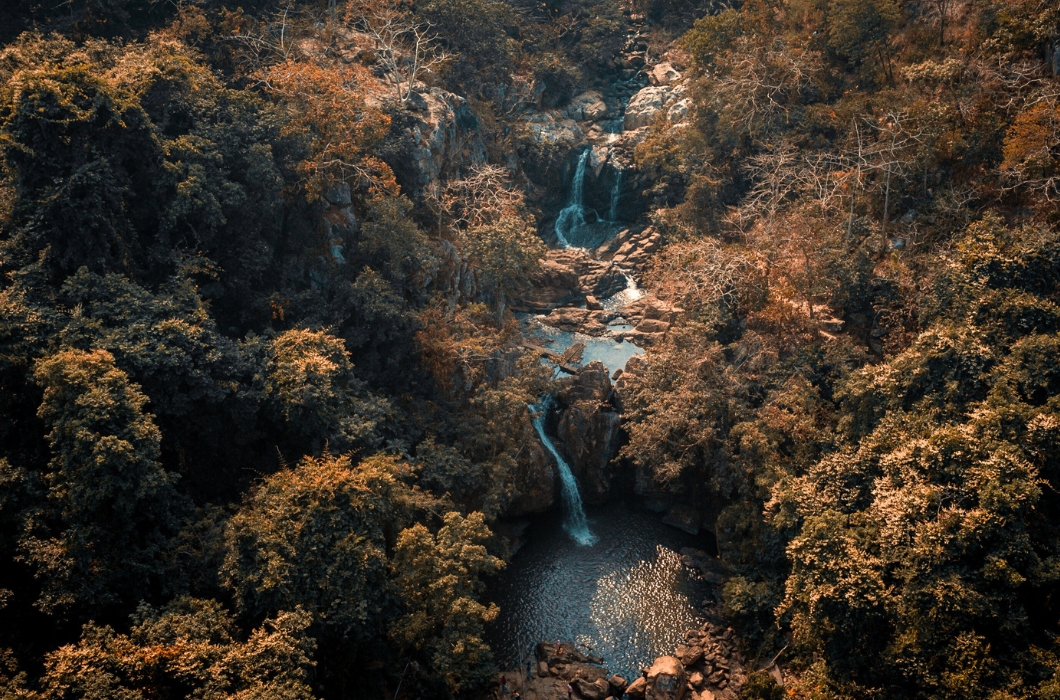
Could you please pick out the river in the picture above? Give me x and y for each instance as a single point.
(627, 597)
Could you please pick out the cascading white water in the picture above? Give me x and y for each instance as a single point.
(616, 191)
(574, 520)
(573, 215)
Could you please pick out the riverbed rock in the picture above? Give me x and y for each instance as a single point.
(632, 248)
(587, 321)
(591, 690)
(638, 687)
(666, 679)
(618, 684)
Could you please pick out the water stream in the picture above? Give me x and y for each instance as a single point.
(574, 520)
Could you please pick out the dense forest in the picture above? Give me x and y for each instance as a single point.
(264, 396)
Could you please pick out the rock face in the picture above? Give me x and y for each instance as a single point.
(643, 106)
(587, 428)
(534, 480)
(441, 125)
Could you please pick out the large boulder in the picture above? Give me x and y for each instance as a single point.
(647, 103)
(666, 679)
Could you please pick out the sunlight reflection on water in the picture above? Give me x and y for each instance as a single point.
(628, 598)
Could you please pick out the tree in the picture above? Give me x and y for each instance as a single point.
(404, 48)
(860, 29)
(189, 648)
(438, 579)
(311, 390)
(504, 254)
(316, 536)
(111, 507)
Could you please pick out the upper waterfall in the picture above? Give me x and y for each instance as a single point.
(573, 215)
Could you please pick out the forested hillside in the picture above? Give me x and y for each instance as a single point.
(264, 392)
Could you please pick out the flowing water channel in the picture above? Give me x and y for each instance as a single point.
(627, 597)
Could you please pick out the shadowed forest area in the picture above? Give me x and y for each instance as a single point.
(264, 390)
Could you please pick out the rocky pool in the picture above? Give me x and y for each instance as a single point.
(627, 598)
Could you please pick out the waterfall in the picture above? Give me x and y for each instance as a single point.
(573, 215)
(574, 520)
(616, 191)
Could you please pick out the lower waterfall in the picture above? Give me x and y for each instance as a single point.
(574, 520)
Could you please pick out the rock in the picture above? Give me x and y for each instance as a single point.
(587, 321)
(534, 479)
(595, 690)
(546, 128)
(632, 248)
(638, 687)
(696, 679)
(682, 517)
(618, 684)
(650, 325)
(663, 74)
(645, 105)
(554, 284)
(690, 656)
(678, 111)
(443, 124)
(588, 106)
(542, 669)
(666, 679)
(339, 194)
(587, 429)
(593, 304)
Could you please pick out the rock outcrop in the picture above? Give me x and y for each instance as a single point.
(587, 428)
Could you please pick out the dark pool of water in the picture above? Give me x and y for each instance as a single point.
(627, 598)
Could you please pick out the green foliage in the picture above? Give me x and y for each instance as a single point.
(439, 579)
(190, 648)
(478, 30)
(310, 387)
(111, 507)
(316, 536)
(504, 255)
(761, 686)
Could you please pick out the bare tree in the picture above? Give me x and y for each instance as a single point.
(405, 49)
(485, 196)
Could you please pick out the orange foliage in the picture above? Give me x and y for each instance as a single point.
(326, 103)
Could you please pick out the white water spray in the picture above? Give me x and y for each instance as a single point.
(573, 215)
(574, 520)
